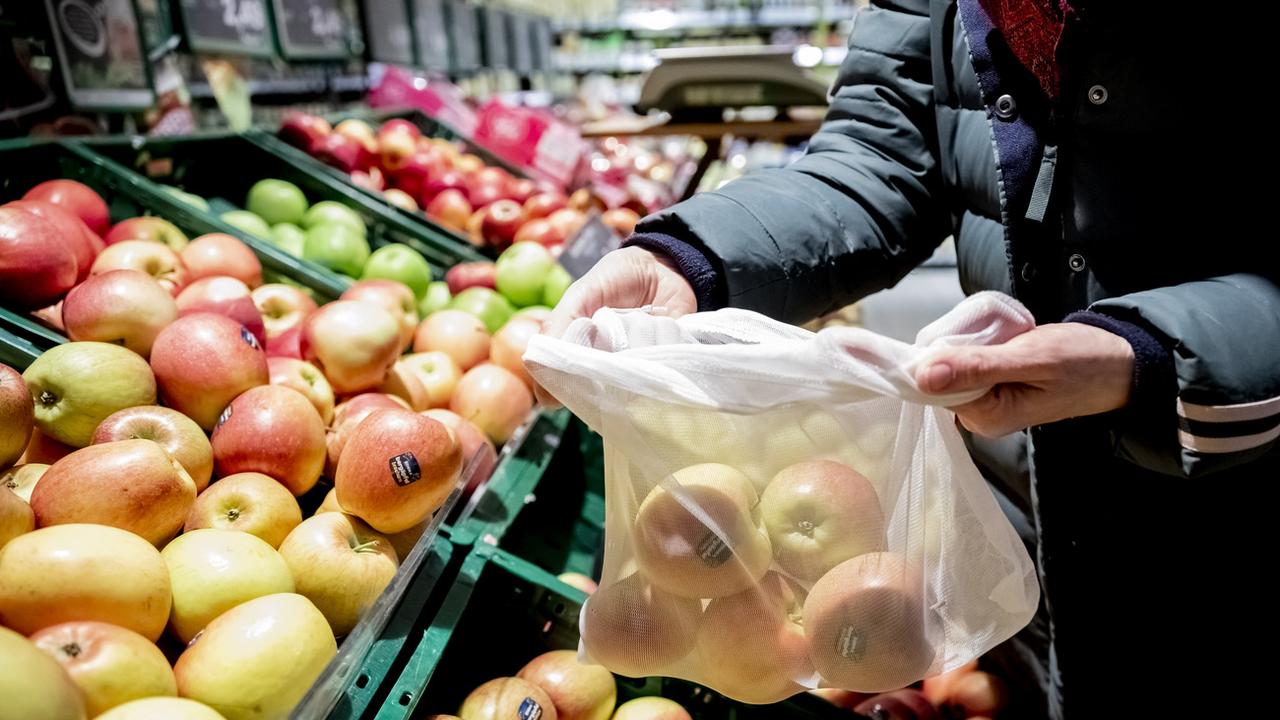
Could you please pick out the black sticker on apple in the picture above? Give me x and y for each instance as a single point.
(249, 338)
(223, 418)
(850, 644)
(713, 551)
(405, 469)
(529, 710)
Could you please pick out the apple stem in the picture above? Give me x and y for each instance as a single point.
(72, 649)
(233, 514)
(47, 398)
(365, 546)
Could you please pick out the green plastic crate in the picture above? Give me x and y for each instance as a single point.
(500, 613)
(22, 341)
(24, 165)
(221, 167)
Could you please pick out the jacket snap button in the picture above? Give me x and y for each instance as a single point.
(1028, 272)
(1097, 94)
(1006, 108)
(1076, 262)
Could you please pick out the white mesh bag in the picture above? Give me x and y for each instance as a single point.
(786, 509)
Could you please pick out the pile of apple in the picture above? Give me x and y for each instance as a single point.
(555, 686)
(455, 189)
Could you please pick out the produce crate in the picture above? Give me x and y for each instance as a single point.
(24, 165)
(522, 463)
(221, 167)
(500, 613)
(22, 339)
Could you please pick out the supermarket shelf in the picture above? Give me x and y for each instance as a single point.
(686, 21)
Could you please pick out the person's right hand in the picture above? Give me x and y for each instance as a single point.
(628, 278)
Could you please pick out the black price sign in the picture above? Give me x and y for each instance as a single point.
(542, 42)
(592, 242)
(430, 28)
(520, 40)
(232, 27)
(464, 35)
(101, 54)
(387, 23)
(312, 29)
(493, 28)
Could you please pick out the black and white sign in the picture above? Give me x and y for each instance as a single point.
(312, 29)
(231, 27)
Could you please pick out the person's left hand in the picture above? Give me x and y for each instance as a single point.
(1051, 373)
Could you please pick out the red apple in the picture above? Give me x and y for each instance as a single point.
(508, 346)
(273, 430)
(371, 179)
(149, 229)
(17, 416)
(460, 335)
(651, 708)
(358, 407)
(568, 221)
(543, 204)
(395, 297)
(154, 259)
(475, 224)
(77, 198)
(170, 429)
(224, 296)
(248, 502)
(509, 697)
(621, 220)
(359, 131)
(399, 125)
(501, 221)
(541, 231)
(339, 151)
(130, 484)
(84, 244)
(451, 209)
(579, 692)
(282, 307)
(583, 200)
(111, 665)
(221, 254)
(471, 274)
(340, 564)
(414, 173)
(881, 596)
(480, 194)
(51, 316)
(447, 180)
(400, 199)
(494, 176)
(44, 449)
(36, 265)
(353, 342)
(126, 307)
(468, 164)
(306, 379)
(494, 399)
(904, 704)
(397, 469)
(203, 361)
(478, 453)
(302, 130)
(286, 344)
(767, 664)
(521, 189)
(637, 630)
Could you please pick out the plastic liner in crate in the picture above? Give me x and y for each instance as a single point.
(24, 165)
(502, 612)
(221, 167)
(353, 678)
(523, 460)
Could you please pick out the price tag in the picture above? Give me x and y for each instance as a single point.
(431, 30)
(464, 35)
(390, 37)
(230, 27)
(592, 242)
(312, 29)
(101, 53)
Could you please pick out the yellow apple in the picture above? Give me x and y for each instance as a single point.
(33, 686)
(21, 479)
(110, 665)
(249, 502)
(212, 571)
(340, 564)
(162, 708)
(16, 517)
(83, 572)
(78, 384)
(257, 660)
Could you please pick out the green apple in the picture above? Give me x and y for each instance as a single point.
(191, 199)
(493, 309)
(558, 280)
(328, 212)
(532, 309)
(248, 222)
(521, 271)
(289, 238)
(337, 248)
(402, 263)
(276, 201)
(77, 385)
(436, 298)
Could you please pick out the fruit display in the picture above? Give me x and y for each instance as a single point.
(440, 180)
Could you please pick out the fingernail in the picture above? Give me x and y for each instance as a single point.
(938, 377)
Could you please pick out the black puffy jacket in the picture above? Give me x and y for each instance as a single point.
(1138, 194)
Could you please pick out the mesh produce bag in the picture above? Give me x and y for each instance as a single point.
(784, 509)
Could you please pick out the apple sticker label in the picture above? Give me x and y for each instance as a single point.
(713, 550)
(249, 338)
(850, 644)
(223, 418)
(529, 710)
(405, 469)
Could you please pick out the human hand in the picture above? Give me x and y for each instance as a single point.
(628, 278)
(1051, 373)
